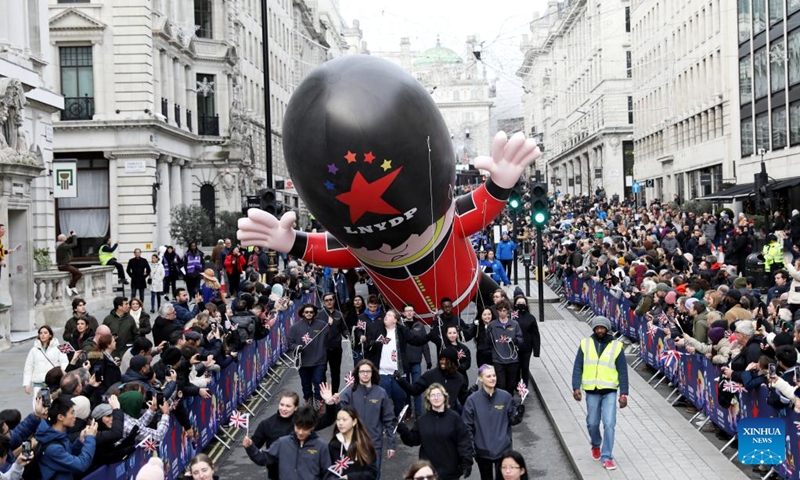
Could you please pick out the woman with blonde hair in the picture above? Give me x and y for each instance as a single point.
(442, 436)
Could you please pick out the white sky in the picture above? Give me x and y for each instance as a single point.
(500, 24)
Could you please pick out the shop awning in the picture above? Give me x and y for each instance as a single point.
(731, 193)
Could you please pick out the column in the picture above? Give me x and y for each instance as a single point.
(113, 204)
(176, 80)
(5, 20)
(158, 78)
(16, 25)
(191, 91)
(187, 179)
(165, 79)
(175, 185)
(164, 203)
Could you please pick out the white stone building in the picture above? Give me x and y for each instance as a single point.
(578, 95)
(684, 97)
(461, 90)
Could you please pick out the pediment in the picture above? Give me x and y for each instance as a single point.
(74, 19)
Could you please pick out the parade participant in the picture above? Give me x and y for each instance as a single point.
(351, 440)
(278, 425)
(106, 256)
(421, 470)
(498, 271)
(446, 373)
(156, 281)
(64, 253)
(462, 351)
(172, 265)
(512, 466)
(310, 337)
(139, 271)
(356, 308)
(483, 341)
(531, 341)
(367, 321)
(339, 333)
(506, 340)
(601, 371)
(193, 261)
(489, 414)
(442, 436)
(415, 354)
(201, 467)
(444, 320)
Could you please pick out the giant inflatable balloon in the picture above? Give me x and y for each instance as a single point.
(371, 157)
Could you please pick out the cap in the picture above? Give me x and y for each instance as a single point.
(735, 294)
(192, 335)
(138, 362)
(101, 411)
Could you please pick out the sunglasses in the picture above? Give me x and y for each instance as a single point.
(308, 312)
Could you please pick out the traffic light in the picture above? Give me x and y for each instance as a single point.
(762, 190)
(269, 202)
(514, 200)
(540, 206)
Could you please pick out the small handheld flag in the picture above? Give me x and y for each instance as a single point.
(400, 417)
(340, 466)
(65, 348)
(732, 387)
(523, 391)
(239, 420)
(148, 444)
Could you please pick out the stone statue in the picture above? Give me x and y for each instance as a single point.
(228, 183)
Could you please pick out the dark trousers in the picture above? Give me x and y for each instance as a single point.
(170, 283)
(489, 469)
(76, 274)
(233, 283)
(140, 291)
(120, 271)
(507, 265)
(525, 365)
(507, 374)
(335, 366)
(192, 283)
(311, 377)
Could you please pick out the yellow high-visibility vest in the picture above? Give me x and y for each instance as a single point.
(103, 255)
(600, 371)
(773, 253)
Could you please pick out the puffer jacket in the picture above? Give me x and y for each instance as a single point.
(41, 360)
(794, 288)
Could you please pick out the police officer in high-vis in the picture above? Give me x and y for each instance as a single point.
(106, 256)
(773, 256)
(601, 370)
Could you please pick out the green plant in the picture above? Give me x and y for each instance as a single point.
(188, 223)
(227, 224)
(42, 258)
(697, 206)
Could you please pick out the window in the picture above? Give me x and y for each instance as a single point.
(759, 16)
(87, 214)
(456, 95)
(762, 131)
(208, 202)
(628, 70)
(207, 119)
(777, 66)
(745, 80)
(792, 6)
(77, 83)
(630, 110)
(778, 128)
(628, 19)
(793, 58)
(775, 11)
(202, 18)
(794, 123)
(747, 136)
(744, 20)
(760, 73)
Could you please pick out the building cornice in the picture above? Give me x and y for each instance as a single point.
(590, 139)
(131, 124)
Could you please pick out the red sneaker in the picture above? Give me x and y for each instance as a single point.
(595, 453)
(610, 465)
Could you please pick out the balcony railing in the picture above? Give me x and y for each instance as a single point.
(178, 115)
(78, 108)
(189, 120)
(207, 125)
(165, 109)
(51, 302)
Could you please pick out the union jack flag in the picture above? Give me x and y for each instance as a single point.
(461, 354)
(148, 444)
(349, 379)
(383, 340)
(339, 466)
(669, 357)
(651, 331)
(65, 348)
(394, 355)
(306, 339)
(515, 314)
(239, 420)
(663, 320)
(732, 387)
(503, 339)
(522, 389)
(361, 325)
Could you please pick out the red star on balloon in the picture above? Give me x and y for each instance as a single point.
(369, 157)
(351, 157)
(365, 197)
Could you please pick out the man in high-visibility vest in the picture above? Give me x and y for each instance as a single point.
(601, 370)
(106, 256)
(773, 257)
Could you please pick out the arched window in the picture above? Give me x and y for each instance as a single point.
(208, 200)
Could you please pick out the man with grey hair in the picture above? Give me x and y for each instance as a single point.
(601, 370)
(750, 350)
(64, 252)
(166, 323)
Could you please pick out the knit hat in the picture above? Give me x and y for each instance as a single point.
(170, 356)
(736, 295)
(715, 335)
(783, 338)
(82, 407)
(740, 282)
(101, 411)
(600, 321)
(138, 362)
(152, 470)
(662, 287)
(670, 298)
(450, 354)
(131, 403)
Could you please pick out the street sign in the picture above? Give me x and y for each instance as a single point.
(635, 187)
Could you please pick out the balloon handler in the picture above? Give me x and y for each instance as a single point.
(372, 158)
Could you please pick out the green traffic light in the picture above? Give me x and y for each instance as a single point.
(513, 203)
(538, 218)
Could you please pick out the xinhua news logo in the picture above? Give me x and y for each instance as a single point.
(762, 441)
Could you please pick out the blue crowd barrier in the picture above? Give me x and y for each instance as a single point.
(229, 389)
(694, 375)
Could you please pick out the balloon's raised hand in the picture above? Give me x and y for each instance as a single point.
(261, 228)
(510, 158)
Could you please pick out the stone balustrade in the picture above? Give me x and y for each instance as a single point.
(53, 303)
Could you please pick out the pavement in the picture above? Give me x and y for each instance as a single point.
(652, 440)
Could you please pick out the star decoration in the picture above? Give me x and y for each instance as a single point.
(369, 157)
(329, 185)
(365, 197)
(386, 165)
(332, 168)
(350, 157)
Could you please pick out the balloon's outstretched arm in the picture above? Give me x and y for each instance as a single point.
(478, 208)
(322, 249)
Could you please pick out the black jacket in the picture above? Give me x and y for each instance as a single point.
(415, 353)
(444, 440)
(339, 328)
(163, 328)
(354, 471)
(138, 269)
(267, 432)
(530, 333)
(454, 383)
